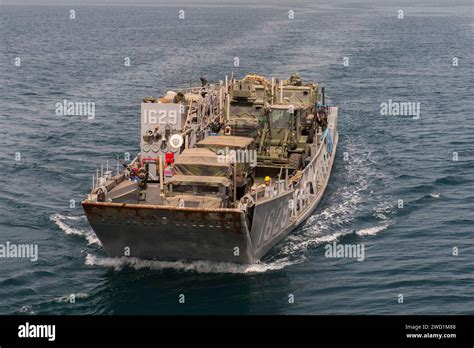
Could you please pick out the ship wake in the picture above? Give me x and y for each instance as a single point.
(189, 266)
(66, 223)
(345, 208)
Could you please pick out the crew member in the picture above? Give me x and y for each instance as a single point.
(267, 181)
(134, 173)
(267, 185)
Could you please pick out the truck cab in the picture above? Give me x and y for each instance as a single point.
(282, 142)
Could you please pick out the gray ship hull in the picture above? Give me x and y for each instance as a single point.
(166, 233)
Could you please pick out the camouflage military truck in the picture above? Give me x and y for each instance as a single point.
(289, 124)
(249, 95)
(298, 93)
(282, 142)
(205, 176)
(200, 180)
(237, 151)
(283, 117)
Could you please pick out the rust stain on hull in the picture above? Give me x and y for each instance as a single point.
(169, 233)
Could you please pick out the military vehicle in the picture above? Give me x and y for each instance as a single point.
(281, 142)
(247, 98)
(284, 117)
(201, 188)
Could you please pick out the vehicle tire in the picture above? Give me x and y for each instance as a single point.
(296, 160)
(310, 136)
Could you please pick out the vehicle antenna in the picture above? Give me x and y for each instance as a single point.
(281, 91)
(273, 90)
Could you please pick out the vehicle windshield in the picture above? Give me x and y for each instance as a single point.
(195, 189)
(279, 118)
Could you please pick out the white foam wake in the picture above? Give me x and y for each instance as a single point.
(383, 210)
(191, 266)
(59, 220)
(27, 309)
(70, 297)
(371, 231)
(296, 245)
(331, 223)
(344, 206)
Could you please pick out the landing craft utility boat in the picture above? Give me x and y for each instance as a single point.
(225, 171)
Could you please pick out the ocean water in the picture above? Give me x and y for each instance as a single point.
(380, 159)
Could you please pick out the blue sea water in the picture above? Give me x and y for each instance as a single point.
(380, 159)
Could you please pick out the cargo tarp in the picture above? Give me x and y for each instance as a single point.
(202, 162)
(218, 142)
(199, 180)
(190, 201)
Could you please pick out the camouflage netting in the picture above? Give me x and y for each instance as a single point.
(256, 79)
(150, 99)
(244, 126)
(202, 162)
